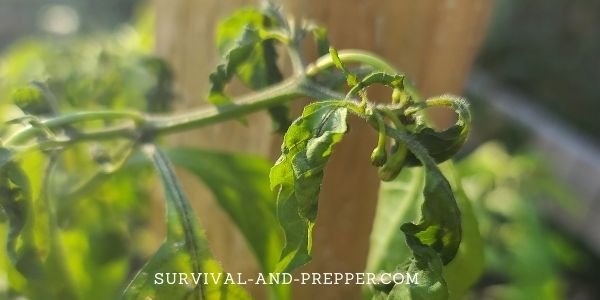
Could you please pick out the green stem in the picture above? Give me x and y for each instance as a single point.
(56, 257)
(363, 57)
(67, 119)
(280, 93)
(294, 87)
(293, 47)
(351, 56)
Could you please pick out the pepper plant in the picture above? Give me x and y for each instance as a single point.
(276, 223)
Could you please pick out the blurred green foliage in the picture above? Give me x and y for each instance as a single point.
(526, 258)
(104, 218)
(101, 217)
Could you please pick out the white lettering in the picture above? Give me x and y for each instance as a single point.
(158, 278)
(412, 280)
(260, 279)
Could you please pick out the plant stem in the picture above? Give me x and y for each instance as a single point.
(363, 57)
(277, 94)
(57, 122)
(144, 125)
(350, 56)
(292, 88)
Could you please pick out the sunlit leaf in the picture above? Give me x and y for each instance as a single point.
(185, 250)
(250, 56)
(442, 145)
(240, 184)
(31, 100)
(389, 80)
(398, 202)
(16, 201)
(247, 55)
(433, 241)
(297, 176)
(427, 264)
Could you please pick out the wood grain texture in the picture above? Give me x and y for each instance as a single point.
(433, 41)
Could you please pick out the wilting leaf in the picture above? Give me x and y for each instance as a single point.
(321, 39)
(427, 264)
(440, 226)
(15, 199)
(466, 268)
(246, 53)
(249, 56)
(185, 250)
(398, 203)
(393, 81)
(297, 176)
(442, 145)
(433, 241)
(351, 79)
(30, 245)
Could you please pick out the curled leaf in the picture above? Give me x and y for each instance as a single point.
(426, 266)
(16, 201)
(393, 81)
(442, 145)
(351, 79)
(297, 176)
(440, 224)
(321, 39)
(245, 41)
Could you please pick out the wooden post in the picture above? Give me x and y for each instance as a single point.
(185, 37)
(434, 42)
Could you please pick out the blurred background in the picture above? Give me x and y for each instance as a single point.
(531, 167)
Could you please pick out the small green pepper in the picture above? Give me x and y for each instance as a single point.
(379, 154)
(394, 164)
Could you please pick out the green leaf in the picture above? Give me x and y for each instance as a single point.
(185, 250)
(238, 55)
(321, 39)
(427, 264)
(240, 184)
(442, 145)
(398, 202)
(249, 55)
(16, 201)
(434, 241)
(440, 225)
(31, 100)
(468, 265)
(160, 95)
(297, 176)
(393, 81)
(351, 79)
